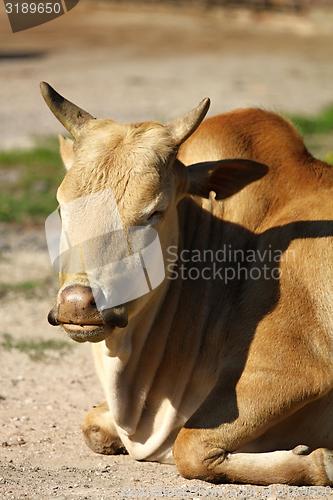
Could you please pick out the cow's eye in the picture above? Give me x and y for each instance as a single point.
(154, 216)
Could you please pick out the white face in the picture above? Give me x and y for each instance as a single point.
(107, 255)
(118, 215)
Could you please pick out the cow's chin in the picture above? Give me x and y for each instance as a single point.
(87, 333)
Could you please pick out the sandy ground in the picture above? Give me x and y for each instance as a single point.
(129, 64)
(139, 63)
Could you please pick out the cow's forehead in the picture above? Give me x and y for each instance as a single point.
(119, 157)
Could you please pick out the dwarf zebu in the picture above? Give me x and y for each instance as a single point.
(231, 380)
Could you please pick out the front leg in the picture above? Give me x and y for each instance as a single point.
(200, 459)
(99, 432)
(207, 447)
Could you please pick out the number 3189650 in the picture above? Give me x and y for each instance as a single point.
(33, 8)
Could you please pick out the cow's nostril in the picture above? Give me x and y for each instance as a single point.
(52, 318)
(116, 316)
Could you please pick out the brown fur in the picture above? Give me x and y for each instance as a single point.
(263, 347)
(289, 361)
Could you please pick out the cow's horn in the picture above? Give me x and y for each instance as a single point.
(183, 127)
(71, 116)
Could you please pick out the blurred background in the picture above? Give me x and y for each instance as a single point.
(129, 61)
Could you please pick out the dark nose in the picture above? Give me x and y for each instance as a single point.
(77, 305)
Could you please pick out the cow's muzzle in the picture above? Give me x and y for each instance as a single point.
(77, 312)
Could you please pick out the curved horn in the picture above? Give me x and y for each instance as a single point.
(183, 127)
(71, 116)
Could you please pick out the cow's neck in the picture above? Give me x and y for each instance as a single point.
(156, 374)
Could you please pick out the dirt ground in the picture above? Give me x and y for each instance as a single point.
(130, 64)
(138, 63)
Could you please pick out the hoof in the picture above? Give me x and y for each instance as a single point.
(322, 472)
(99, 432)
(100, 441)
(328, 464)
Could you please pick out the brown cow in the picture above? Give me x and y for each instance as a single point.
(226, 371)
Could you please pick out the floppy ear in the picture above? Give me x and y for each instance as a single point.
(66, 151)
(224, 177)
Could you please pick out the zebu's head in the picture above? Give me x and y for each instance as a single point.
(128, 169)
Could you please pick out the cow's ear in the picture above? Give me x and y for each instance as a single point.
(66, 151)
(223, 177)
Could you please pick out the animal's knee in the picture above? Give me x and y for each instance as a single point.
(195, 458)
(99, 433)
